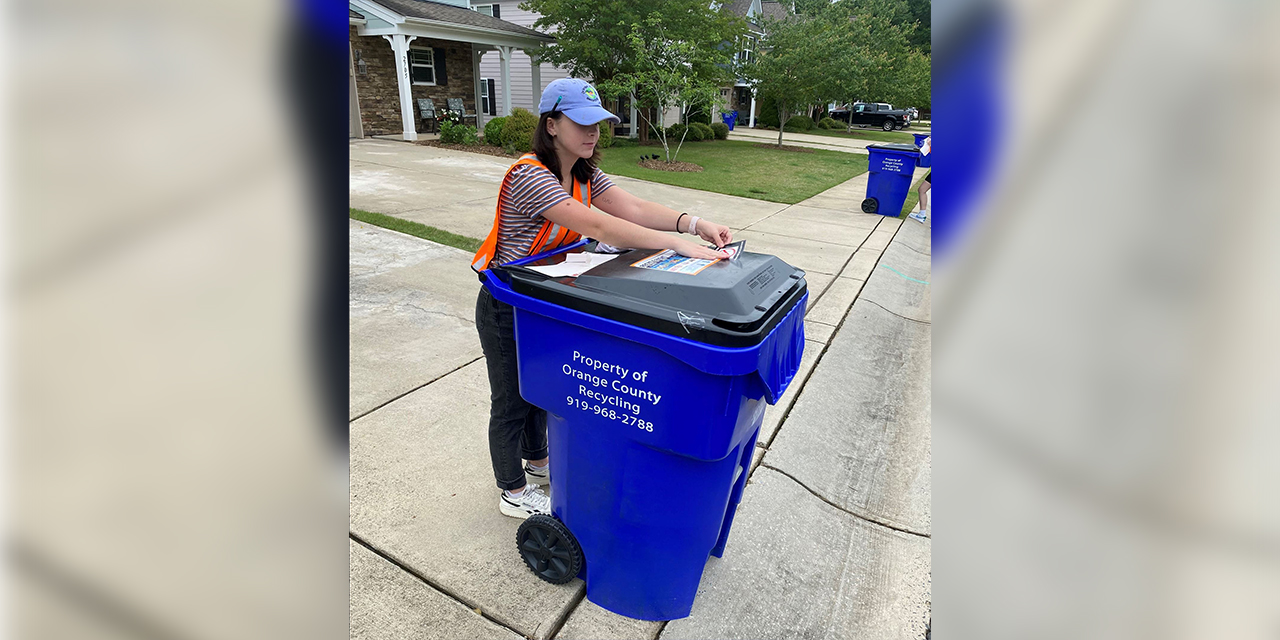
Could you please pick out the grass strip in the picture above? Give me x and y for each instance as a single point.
(416, 229)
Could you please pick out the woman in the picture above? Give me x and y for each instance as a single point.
(545, 202)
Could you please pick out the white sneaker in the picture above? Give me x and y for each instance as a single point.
(531, 501)
(541, 478)
(919, 216)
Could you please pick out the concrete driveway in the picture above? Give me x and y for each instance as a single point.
(833, 535)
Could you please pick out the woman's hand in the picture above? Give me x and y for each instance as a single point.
(716, 234)
(691, 250)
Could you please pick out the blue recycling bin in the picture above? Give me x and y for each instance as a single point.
(925, 160)
(730, 118)
(889, 167)
(655, 385)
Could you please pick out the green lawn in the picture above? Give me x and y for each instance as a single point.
(416, 229)
(740, 168)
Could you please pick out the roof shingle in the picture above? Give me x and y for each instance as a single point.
(774, 10)
(428, 10)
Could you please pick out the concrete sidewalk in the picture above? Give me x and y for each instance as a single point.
(832, 537)
(831, 143)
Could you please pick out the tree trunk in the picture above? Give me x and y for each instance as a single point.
(642, 114)
(782, 124)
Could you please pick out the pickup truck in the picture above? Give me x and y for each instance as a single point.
(874, 113)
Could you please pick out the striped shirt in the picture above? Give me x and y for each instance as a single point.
(530, 191)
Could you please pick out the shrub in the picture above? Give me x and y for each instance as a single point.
(799, 123)
(704, 131)
(451, 133)
(829, 123)
(517, 131)
(697, 114)
(721, 130)
(493, 131)
(606, 135)
(676, 131)
(768, 113)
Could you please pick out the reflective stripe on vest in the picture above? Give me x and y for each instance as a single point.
(549, 237)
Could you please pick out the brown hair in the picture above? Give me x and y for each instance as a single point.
(544, 146)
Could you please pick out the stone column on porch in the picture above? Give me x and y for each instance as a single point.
(400, 49)
(752, 124)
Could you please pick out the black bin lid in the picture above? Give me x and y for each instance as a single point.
(896, 146)
(731, 303)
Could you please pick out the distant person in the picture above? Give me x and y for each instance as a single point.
(544, 203)
(923, 214)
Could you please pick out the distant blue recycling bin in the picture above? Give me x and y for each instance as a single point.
(925, 159)
(655, 375)
(730, 118)
(889, 167)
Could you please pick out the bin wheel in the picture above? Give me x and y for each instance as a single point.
(887, 126)
(870, 205)
(549, 549)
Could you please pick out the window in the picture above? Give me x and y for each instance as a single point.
(422, 68)
(489, 9)
(748, 50)
(485, 99)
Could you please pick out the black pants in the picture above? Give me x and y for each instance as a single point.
(517, 429)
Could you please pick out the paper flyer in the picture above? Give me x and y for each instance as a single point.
(574, 265)
(669, 260)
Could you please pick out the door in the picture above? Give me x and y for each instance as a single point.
(861, 114)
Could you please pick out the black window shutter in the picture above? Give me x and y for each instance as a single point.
(493, 111)
(442, 78)
(496, 12)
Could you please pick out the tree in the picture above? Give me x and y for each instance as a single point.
(664, 75)
(875, 59)
(794, 63)
(593, 39)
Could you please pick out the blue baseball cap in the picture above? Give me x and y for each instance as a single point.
(575, 98)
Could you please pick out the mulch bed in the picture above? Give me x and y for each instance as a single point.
(663, 165)
(484, 149)
(785, 147)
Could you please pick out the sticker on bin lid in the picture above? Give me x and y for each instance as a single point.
(669, 260)
(734, 250)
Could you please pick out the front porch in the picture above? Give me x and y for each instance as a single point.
(403, 51)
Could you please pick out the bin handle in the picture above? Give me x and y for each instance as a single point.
(735, 322)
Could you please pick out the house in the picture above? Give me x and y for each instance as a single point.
(406, 50)
(741, 97)
(523, 93)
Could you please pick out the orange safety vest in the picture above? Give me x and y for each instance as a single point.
(549, 237)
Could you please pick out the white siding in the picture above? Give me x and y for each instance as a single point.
(522, 93)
